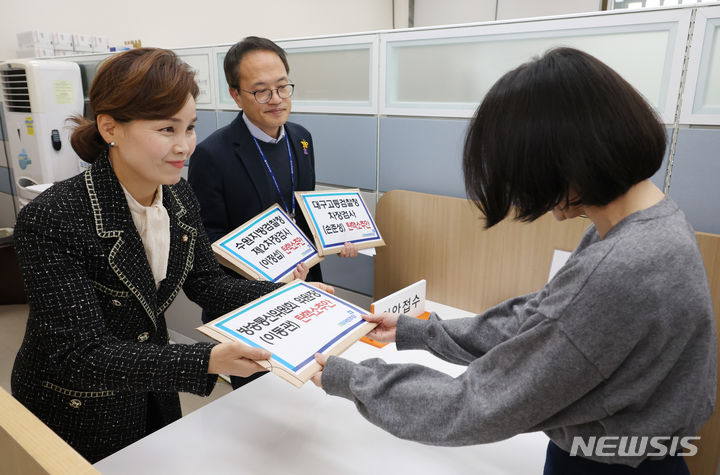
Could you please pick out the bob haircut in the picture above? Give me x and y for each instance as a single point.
(143, 83)
(241, 48)
(565, 129)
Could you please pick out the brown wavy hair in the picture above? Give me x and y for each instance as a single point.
(143, 83)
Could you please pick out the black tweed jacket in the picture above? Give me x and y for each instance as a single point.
(95, 364)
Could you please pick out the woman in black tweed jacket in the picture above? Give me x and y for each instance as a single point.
(95, 364)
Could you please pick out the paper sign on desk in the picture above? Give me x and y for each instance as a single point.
(409, 301)
(294, 322)
(267, 247)
(336, 217)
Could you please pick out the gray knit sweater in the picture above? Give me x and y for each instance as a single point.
(620, 342)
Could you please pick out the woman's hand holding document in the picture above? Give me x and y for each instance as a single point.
(282, 331)
(384, 332)
(386, 326)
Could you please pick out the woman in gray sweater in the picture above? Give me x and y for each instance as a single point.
(619, 344)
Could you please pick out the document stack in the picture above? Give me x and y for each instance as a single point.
(35, 44)
(43, 44)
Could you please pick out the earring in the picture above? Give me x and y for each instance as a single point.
(111, 144)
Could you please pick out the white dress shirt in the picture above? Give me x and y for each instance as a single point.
(153, 225)
(259, 134)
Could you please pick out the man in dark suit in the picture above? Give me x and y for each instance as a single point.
(259, 159)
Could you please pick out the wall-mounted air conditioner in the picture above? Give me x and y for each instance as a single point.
(38, 97)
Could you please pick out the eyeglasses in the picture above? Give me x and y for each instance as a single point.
(263, 96)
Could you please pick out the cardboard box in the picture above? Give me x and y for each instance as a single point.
(33, 38)
(36, 52)
(100, 44)
(82, 43)
(62, 41)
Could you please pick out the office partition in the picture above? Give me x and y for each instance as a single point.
(390, 109)
(702, 87)
(447, 72)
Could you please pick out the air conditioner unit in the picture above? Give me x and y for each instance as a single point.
(38, 98)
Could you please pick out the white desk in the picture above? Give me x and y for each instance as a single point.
(271, 427)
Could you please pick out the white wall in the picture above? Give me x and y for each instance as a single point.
(402, 9)
(179, 23)
(448, 12)
(508, 9)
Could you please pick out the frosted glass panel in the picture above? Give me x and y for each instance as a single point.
(457, 73)
(331, 74)
(201, 65)
(224, 97)
(707, 95)
(713, 81)
(328, 75)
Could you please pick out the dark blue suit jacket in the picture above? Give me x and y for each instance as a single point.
(232, 184)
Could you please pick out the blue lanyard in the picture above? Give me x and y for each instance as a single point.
(272, 175)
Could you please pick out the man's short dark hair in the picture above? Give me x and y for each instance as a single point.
(565, 122)
(239, 49)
